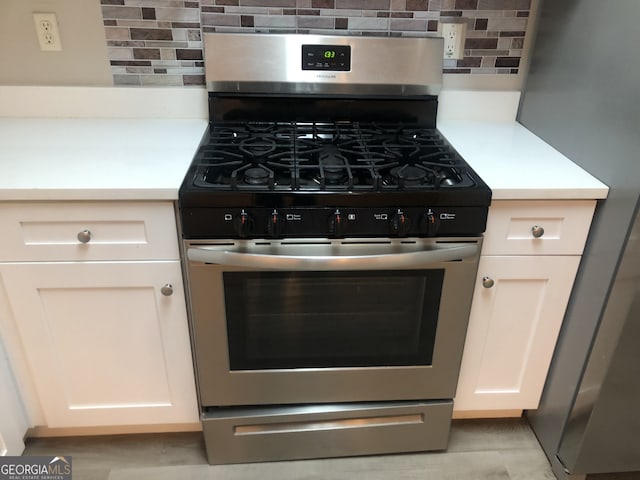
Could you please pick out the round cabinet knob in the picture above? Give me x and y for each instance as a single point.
(487, 282)
(167, 290)
(84, 236)
(537, 231)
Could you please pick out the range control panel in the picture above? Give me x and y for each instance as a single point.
(333, 222)
(336, 58)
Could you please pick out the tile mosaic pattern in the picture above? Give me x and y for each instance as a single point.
(158, 42)
(154, 42)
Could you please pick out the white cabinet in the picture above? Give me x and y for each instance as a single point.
(103, 342)
(512, 330)
(13, 422)
(529, 261)
(538, 227)
(79, 231)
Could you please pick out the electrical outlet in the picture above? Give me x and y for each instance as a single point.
(47, 31)
(454, 34)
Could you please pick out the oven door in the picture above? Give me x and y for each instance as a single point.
(316, 321)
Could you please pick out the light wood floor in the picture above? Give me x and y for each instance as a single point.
(503, 449)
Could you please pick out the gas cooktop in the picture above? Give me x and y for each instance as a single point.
(265, 162)
(338, 178)
(342, 156)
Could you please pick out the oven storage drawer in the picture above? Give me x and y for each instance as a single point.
(538, 227)
(335, 430)
(59, 231)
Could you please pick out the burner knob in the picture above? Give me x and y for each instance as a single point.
(400, 223)
(336, 223)
(275, 224)
(243, 224)
(429, 223)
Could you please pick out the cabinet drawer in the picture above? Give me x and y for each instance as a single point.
(88, 231)
(538, 227)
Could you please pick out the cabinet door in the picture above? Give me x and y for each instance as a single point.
(104, 346)
(13, 423)
(513, 329)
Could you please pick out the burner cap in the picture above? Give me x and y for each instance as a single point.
(332, 162)
(256, 176)
(408, 175)
(333, 166)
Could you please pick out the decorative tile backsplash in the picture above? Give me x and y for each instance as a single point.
(159, 42)
(154, 42)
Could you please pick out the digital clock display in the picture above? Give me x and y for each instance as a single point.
(326, 57)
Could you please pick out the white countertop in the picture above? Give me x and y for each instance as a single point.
(517, 165)
(82, 157)
(95, 159)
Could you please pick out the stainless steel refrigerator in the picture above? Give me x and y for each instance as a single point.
(582, 96)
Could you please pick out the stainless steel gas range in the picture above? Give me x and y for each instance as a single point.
(331, 238)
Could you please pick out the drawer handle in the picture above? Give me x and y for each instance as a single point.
(487, 282)
(167, 290)
(84, 236)
(537, 231)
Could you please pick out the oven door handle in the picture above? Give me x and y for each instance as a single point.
(336, 262)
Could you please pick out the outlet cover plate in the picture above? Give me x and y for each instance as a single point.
(453, 34)
(47, 32)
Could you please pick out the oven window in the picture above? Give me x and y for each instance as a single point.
(331, 319)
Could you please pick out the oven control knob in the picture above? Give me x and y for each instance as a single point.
(400, 223)
(337, 223)
(243, 224)
(429, 223)
(275, 224)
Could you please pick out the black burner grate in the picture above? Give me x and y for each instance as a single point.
(349, 156)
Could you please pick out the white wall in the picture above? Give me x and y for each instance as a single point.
(83, 60)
